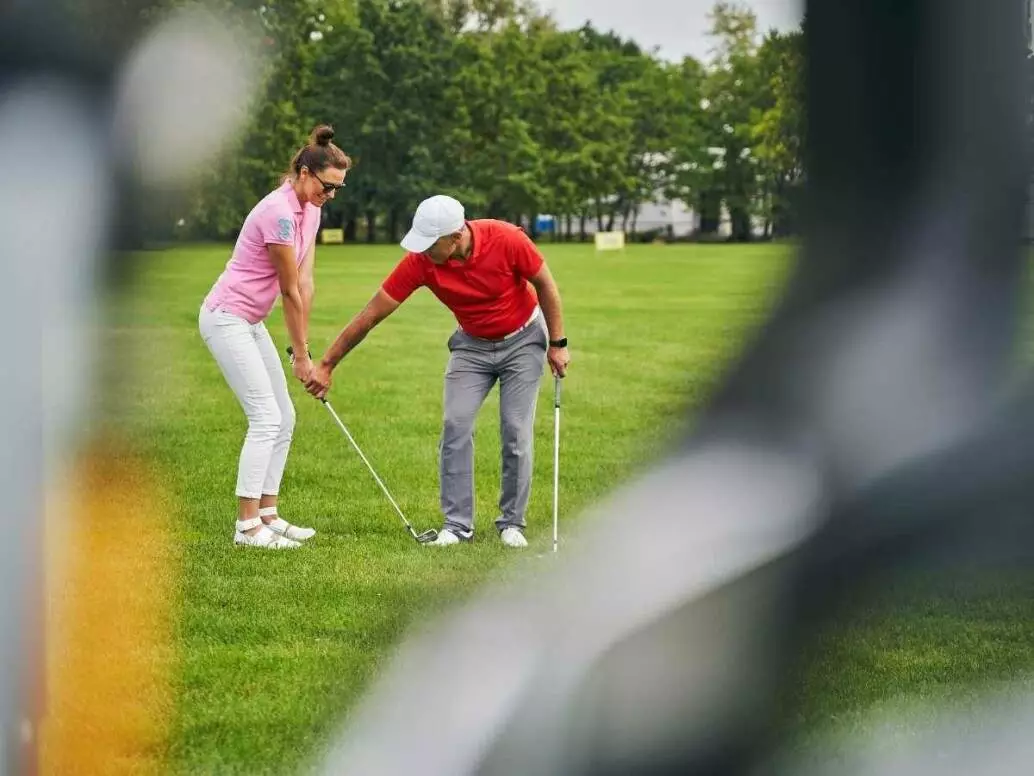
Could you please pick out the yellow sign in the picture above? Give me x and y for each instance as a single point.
(610, 241)
(333, 236)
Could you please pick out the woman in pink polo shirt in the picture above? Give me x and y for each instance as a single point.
(274, 255)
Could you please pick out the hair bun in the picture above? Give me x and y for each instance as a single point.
(322, 135)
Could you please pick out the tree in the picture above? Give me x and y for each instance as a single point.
(488, 101)
(498, 161)
(731, 88)
(385, 74)
(779, 128)
(279, 124)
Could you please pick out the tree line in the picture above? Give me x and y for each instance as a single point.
(489, 101)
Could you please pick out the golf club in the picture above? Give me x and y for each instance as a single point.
(423, 538)
(556, 459)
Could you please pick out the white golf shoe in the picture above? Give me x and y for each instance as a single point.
(265, 538)
(293, 532)
(512, 536)
(447, 537)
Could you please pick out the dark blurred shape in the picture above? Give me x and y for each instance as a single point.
(869, 426)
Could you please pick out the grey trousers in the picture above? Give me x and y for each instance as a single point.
(474, 367)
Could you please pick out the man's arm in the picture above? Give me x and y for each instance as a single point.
(400, 283)
(549, 301)
(376, 310)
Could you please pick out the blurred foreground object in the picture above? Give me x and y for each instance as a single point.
(865, 426)
(72, 169)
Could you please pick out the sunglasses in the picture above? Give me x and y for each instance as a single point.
(327, 187)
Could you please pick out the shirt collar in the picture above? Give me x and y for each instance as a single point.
(475, 241)
(292, 198)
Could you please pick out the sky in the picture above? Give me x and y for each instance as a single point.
(675, 27)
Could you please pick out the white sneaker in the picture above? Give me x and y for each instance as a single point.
(513, 537)
(264, 538)
(293, 532)
(447, 537)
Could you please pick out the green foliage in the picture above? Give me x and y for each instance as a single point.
(489, 101)
(779, 127)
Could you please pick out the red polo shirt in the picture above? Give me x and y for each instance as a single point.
(488, 293)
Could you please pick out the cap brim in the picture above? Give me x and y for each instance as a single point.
(414, 242)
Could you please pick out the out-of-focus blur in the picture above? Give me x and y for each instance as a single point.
(873, 416)
(80, 132)
(864, 426)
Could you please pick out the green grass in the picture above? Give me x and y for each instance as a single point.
(274, 648)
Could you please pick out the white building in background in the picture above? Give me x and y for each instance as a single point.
(682, 220)
(672, 217)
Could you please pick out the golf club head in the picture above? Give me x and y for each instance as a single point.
(426, 537)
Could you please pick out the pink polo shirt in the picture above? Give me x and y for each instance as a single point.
(249, 285)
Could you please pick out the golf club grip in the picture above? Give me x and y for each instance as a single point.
(556, 391)
(290, 352)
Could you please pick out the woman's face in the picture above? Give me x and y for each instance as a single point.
(317, 188)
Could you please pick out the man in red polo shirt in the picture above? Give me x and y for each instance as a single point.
(495, 281)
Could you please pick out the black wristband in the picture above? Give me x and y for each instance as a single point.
(560, 343)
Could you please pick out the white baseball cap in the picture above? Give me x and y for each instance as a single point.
(435, 217)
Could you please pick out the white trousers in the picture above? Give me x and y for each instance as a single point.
(248, 360)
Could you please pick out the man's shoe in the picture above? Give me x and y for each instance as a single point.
(512, 536)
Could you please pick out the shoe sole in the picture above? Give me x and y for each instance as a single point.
(264, 546)
(237, 543)
(462, 540)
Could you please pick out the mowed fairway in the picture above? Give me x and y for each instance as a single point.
(272, 649)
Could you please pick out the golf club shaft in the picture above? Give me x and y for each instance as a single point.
(368, 465)
(556, 462)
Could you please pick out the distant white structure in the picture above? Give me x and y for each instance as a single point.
(674, 218)
(682, 219)
(671, 217)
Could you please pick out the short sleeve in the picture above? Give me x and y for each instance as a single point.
(276, 225)
(525, 256)
(406, 278)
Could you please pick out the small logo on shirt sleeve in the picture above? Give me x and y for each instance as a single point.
(285, 227)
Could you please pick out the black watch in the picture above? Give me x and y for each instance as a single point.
(560, 343)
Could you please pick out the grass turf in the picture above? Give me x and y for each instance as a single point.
(274, 647)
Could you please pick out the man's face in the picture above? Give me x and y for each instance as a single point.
(445, 248)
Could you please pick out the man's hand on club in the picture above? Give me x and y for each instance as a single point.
(319, 380)
(558, 358)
